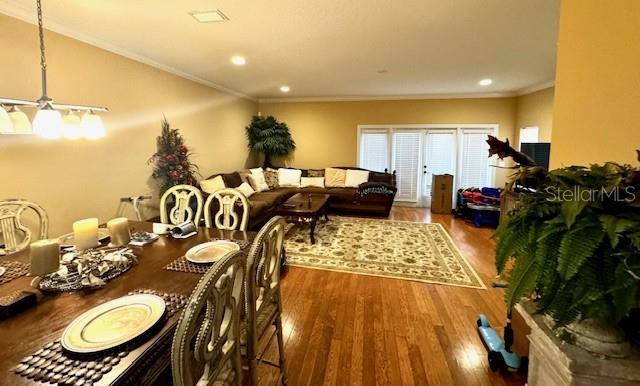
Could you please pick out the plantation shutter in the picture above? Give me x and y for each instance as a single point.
(475, 167)
(374, 150)
(406, 156)
(440, 156)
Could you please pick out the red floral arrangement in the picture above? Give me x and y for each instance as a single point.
(171, 164)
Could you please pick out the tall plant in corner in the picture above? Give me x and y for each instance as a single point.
(171, 163)
(269, 137)
(575, 239)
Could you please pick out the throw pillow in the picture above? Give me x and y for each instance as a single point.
(212, 185)
(246, 189)
(334, 177)
(271, 177)
(315, 173)
(312, 181)
(257, 171)
(356, 177)
(257, 182)
(289, 177)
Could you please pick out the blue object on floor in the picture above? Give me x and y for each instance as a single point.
(484, 215)
(500, 355)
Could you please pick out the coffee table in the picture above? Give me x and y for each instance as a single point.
(306, 207)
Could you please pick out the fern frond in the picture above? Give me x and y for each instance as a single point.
(577, 245)
(523, 279)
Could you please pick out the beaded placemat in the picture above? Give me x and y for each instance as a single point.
(181, 264)
(14, 270)
(54, 365)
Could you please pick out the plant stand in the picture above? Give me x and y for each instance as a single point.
(555, 362)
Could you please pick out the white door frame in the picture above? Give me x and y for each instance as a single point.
(390, 128)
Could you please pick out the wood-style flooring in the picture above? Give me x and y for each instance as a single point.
(345, 329)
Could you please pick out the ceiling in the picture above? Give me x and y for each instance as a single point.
(325, 49)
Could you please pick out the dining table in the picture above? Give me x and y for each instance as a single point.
(32, 329)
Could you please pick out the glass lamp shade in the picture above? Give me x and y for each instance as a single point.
(92, 126)
(6, 126)
(48, 123)
(21, 123)
(72, 128)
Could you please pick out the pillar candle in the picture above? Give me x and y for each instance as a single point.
(85, 233)
(119, 231)
(45, 257)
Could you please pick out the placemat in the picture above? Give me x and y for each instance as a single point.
(52, 364)
(14, 270)
(181, 264)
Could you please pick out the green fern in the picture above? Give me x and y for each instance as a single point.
(577, 245)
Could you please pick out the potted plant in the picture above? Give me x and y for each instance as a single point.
(171, 162)
(271, 138)
(575, 242)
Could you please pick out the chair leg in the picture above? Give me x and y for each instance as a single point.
(283, 368)
(253, 371)
(238, 367)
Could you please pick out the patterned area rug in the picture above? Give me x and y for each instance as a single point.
(387, 248)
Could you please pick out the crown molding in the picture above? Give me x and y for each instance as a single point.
(54, 26)
(388, 97)
(537, 87)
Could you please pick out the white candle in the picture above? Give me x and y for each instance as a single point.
(45, 257)
(119, 231)
(85, 233)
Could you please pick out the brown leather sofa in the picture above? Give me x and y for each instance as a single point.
(372, 198)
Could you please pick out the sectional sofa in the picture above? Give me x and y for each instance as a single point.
(371, 198)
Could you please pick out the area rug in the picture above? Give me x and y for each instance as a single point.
(387, 248)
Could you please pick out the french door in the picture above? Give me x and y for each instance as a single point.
(416, 153)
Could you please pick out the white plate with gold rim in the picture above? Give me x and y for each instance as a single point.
(113, 323)
(210, 252)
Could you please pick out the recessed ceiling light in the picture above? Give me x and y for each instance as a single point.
(485, 82)
(285, 88)
(209, 16)
(239, 60)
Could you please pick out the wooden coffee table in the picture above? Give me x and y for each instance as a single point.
(306, 207)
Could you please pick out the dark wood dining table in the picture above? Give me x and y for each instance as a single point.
(25, 333)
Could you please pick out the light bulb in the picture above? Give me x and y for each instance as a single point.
(72, 126)
(6, 126)
(48, 123)
(21, 124)
(92, 126)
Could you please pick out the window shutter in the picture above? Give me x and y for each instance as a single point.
(406, 155)
(475, 168)
(440, 156)
(374, 150)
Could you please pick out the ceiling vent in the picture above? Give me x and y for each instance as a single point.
(209, 16)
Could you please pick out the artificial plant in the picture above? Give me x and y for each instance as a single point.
(171, 162)
(574, 238)
(271, 138)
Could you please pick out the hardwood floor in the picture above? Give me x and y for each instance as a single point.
(345, 329)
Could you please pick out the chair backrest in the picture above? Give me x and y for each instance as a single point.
(207, 338)
(262, 283)
(226, 217)
(16, 236)
(181, 210)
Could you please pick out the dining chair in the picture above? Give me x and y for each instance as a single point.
(206, 344)
(15, 235)
(263, 306)
(228, 200)
(181, 210)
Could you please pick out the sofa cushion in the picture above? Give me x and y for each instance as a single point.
(212, 185)
(289, 177)
(317, 182)
(356, 177)
(314, 189)
(246, 189)
(315, 173)
(258, 182)
(232, 180)
(273, 197)
(257, 208)
(334, 177)
(386, 178)
(342, 194)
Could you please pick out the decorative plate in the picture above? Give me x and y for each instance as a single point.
(210, 252)
(2, 270)
(68, 240)
(113, 323)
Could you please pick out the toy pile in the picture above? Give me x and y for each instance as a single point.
(481, 206)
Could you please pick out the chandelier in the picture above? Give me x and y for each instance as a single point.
(49, 121)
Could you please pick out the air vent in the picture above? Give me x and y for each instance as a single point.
(209, 16)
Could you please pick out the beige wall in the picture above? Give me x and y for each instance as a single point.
(78, 179)
(535, 109)
(597, 103)
(326, 132)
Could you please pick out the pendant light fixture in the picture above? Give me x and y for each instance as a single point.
(48, 121)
